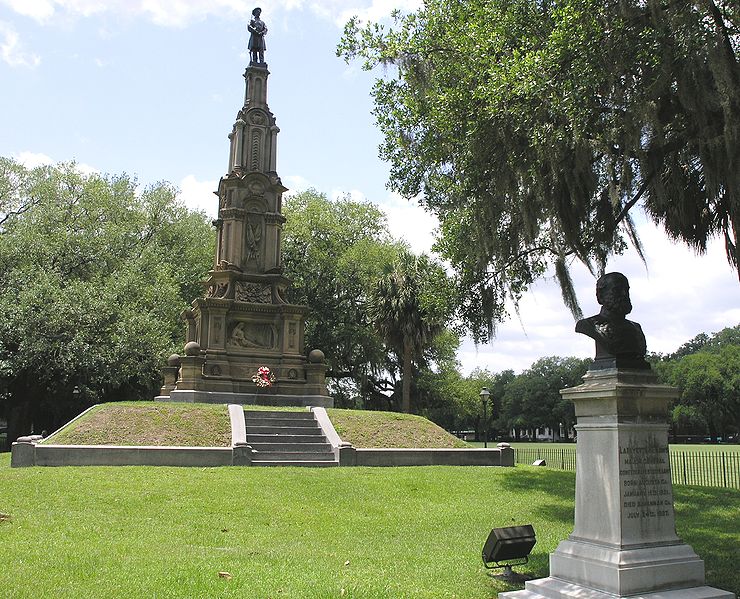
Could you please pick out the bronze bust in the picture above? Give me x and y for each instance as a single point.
(620, 343)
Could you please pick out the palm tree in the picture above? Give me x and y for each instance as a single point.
(403, 315)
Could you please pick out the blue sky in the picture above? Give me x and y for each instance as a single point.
(152, 87)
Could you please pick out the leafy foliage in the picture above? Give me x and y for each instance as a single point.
(334, 252)
(409, 306)
(534, 128)
(95, 273)
(707, 372)
(337, 254)
(532, 399)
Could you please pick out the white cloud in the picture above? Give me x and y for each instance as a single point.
(355, 195)
(12, 51)
(40, 10)
(33, 159)
(409, 221)
(296, 183)
(377, 10)
(168, 13)
(406, 219)
(86, 169)
(180, 13)
(679, 297)
(198, 195)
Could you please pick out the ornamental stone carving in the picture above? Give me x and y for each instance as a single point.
(255, 293)
(253, 335)
(257, 117)
(218, 290)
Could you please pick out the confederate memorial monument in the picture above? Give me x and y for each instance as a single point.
(245, 342)
(624, 541)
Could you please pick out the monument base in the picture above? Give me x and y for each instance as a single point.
(554, 588)
(257, 399)
(624, 542)
(626, 572)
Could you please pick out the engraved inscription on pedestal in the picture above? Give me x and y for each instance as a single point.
(646, 481)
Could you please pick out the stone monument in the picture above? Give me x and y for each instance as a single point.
(624, 541)
(244, 323)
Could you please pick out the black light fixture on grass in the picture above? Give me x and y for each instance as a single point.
(507, 547)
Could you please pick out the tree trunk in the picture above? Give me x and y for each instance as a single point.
(19, 420)
(406, 396)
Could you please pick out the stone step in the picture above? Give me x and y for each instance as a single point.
(288, 446)
(294, 456)
(250, 414)
(311, 464)
(282, 430)
(281, 422)
(277, 438)
(282, 438)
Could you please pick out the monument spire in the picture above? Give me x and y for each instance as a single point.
(254, 135)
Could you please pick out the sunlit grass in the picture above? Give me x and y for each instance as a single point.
(149, 423)
(301, 533)
(364, 428)
(207, 425)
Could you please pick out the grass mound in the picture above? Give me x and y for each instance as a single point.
(367, 429)
(139, 423)
(207, 425)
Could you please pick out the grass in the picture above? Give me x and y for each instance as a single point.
(693, 448)
(368, 429)
(298, 533)
(703, 465)
(139, 423)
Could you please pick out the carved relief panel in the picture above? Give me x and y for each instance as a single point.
(253, 335)
(256, 293)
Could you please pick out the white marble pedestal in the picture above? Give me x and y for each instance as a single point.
(624, 541)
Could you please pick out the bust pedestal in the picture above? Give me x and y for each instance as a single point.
(624, 541)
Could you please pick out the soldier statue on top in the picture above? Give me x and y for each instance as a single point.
(257, 30)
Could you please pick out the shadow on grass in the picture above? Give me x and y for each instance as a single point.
(708, 519)
(554, 490)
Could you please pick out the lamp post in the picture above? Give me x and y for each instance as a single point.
(484, 395)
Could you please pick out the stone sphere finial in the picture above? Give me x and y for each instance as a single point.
(316, 356)
(192, 348)
(173, 360)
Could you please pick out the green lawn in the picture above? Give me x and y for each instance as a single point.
(364, 428)
(302, 533)
(704, 465)
(694, 448)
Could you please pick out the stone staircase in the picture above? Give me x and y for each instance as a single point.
(283, 438)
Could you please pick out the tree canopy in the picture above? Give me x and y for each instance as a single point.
(94, 273)
(339, 255)
(409, 306)
(533, 128)
(334, 252)
(706, 370)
